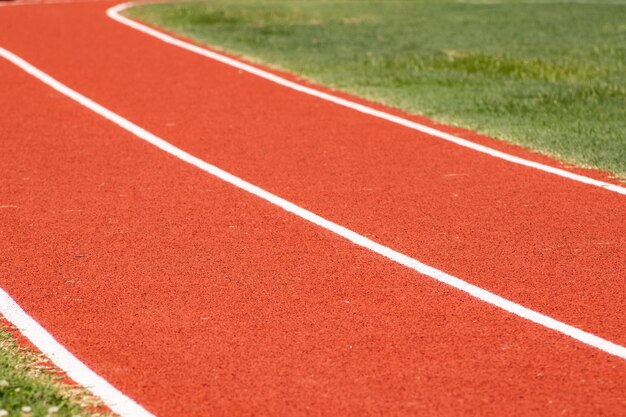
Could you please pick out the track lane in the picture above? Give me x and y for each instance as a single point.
(132, 260)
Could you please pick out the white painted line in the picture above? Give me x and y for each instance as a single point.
(473, 290)
(114, 13)
(69, 363)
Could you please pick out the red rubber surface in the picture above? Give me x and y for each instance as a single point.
(195, 298)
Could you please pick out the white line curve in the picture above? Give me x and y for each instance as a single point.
(65, 360)
(114, 13)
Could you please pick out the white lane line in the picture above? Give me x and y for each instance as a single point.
(69, 363)
(114, 13)
(473, 290)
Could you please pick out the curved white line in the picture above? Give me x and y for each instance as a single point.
(357, 239)
(61, 357)
(114, 13)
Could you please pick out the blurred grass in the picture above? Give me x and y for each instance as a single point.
(26, 382)
(548, 75)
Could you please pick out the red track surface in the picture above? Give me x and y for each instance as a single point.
(195, 298)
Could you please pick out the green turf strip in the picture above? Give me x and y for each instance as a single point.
(548, 75)
(29, 389)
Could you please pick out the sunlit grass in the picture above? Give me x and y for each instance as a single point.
(30, 387)
(548, 75)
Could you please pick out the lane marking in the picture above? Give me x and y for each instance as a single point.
(70, 364)
(114, 13)
(357, 239)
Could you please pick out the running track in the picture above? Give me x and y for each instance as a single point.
(196, 298)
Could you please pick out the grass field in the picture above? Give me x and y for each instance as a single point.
(28, 390)
(548, 75)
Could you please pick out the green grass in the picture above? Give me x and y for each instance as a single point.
(25, 381)
(548, 75)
